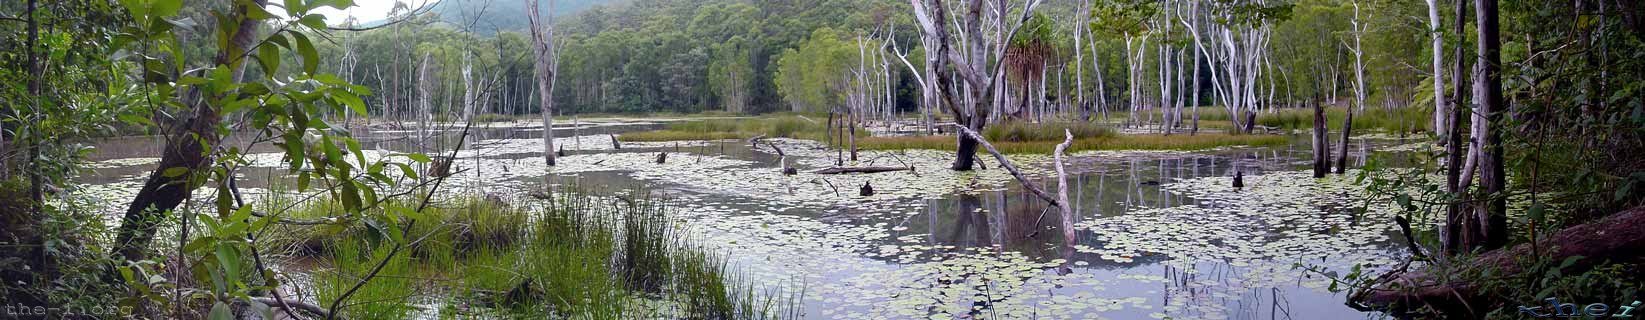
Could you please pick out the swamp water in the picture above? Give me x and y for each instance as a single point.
(1159, 234)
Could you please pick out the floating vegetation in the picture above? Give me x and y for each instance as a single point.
(874, 257)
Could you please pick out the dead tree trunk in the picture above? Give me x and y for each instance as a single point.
(1322, 143)
(1347, 129)
(542, 37)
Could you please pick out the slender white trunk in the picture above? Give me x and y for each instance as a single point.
(1441, 110)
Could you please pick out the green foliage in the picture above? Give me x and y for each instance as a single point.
(814, 76)
(772, 126)
(1122, 17)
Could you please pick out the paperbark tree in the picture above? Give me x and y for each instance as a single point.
(981, 83)
(542, 38)
(1437, 35)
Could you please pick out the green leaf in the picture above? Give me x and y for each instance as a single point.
(225, 199)
(407, 171)
(220, 311)
(166, 8)
(352, 101)
(269, 57)
(302, 181)
(315, 21)
(174, 172)
(295, 8)
(230, 260)
(354, 147)
(418, 157)
(311, 58)
(262, 310)
(351, 197)
(1569, 261)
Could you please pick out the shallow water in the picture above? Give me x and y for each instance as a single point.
(1159, 234)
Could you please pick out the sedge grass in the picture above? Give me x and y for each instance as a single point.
(573, 257)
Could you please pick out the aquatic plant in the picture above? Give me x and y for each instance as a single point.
(574, 256)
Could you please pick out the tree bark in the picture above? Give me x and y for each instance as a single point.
(1619, 238)
(542, 37)
(1438, 38)
(186, 149)
(1322, 144)
(1489, 90)
(1452, 237)
(1342, 155)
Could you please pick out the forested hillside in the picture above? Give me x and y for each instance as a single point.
(496, 15)
(686, 56)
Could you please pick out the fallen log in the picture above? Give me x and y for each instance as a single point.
(842, 170)
(1619, 238)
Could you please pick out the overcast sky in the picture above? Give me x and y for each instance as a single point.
(367, 10)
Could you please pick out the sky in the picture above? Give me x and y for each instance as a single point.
(367, 10)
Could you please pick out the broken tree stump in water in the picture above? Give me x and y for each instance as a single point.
(866, 190)
(1239, 180)
(615, 145)
(662, 157)
(782, 159)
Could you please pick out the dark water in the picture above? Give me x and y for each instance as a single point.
(1154, 239)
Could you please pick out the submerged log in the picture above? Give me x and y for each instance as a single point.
(1619, 238)
(876, 169)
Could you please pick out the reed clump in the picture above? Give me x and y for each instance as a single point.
(577, 256)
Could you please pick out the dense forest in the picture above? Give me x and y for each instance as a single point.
(776, 159)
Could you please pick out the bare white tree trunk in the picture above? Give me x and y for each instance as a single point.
(1441, 110)
(542, 36)
(1358, 32)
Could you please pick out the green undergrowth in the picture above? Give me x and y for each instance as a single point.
(575, 256)
(798, 126)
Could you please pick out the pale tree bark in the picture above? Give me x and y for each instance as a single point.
(1358, 33)
(542, 38)
(969, 65)
(1441, 110)
(927, 87)
(1081, 21)
(1193, 24)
